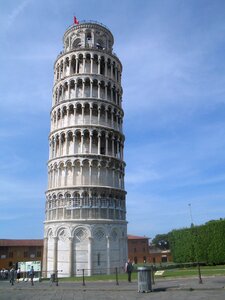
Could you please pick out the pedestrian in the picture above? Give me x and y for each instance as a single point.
(129, 269)
(31, 275)
(6, 272)
(12, 275)
(18, 275)
(2, 273)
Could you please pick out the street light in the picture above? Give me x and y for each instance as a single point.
(192, 223)
(196, 235)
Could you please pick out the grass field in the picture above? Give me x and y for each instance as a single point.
(179, 272)
(193, 271)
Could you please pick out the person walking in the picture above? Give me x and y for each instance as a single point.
(18, 275)
(31, 275)
(129, 269)
(12, 275)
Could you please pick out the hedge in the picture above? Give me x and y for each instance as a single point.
(205, 243)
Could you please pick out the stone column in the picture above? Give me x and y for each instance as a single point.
(58, 94)
(90, 256)
(73, 173)
(113, 148)
(59, 179)
(116, 70)
(66, 143)
(107, 173)
(53, 177)
(55, 253)
(108, 254)
(112, 121)
(84, 64)
(68, 116)
(70, 66)
(92, 65)
(63, 93)
(71, 257)
(77, 65)
(65, 175)
(81, 142)
(111, 70)
(74, 143)
(82, 115)
(75, 89)
(90, 171)
(91, 108)
(45, 258)
(60, 71)
(64, 209)
(105, 68)
(106, 117)
(68, 90)
(107, 144)
(113, 176)
(117, 122)
(99, 170)
(90, 143)
(99, 83)
(91, 88)
(99, 64)
(116, 96)
(106, 92)
(99, 114)
(64, 67)
(75, 111)
(50, 148)
(118, 149)
(99, 143)
(111, 94)
(83, 87)
(81, 173)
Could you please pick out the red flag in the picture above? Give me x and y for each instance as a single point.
(75, 21)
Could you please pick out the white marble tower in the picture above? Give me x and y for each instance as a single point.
(85, 222)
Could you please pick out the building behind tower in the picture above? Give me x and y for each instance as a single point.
(85, 216)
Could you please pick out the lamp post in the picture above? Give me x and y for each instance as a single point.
(192, 224)
(196, 241)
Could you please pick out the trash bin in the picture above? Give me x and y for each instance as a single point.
(144, 280)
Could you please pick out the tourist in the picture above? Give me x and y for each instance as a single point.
(12, 275)
(31, 275)
(18, 275)
(129, 269)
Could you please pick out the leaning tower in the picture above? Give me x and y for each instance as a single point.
(85, 214)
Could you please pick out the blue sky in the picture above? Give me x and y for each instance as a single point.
(174, 101)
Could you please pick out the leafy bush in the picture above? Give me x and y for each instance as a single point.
(205, 243)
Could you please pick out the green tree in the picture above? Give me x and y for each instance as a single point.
(205, 243)
(161, 241)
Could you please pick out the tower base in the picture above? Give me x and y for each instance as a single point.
(74, 249)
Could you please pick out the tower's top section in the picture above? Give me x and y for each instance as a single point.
(88, 34)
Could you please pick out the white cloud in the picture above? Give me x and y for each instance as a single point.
(159, 73)
(16, 12)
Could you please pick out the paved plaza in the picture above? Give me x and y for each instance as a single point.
(163, 289)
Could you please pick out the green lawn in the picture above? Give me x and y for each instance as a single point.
(193, 271)
(178, 272)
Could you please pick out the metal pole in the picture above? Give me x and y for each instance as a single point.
(153, 277)
(199, 274)
(56, 278)
(192, 223)
(117, 282)
(83, 277)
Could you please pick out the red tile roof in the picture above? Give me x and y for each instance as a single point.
(4, 243)
(135, 237)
